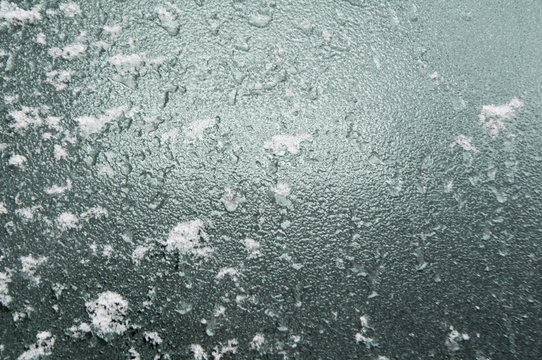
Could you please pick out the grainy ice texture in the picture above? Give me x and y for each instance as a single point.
(271, 179)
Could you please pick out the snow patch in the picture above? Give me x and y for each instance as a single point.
(89, 125)
(70, 9)
(196, 128)
(219, 351)
(168, 20)
(95, 212)
(281, 189)
(252, 247)
(5, 279)
(68, 52)
(59, 153)
(58, 79)
(126, 63)
(40, 39)
(257, 341)
(26, 213)
(112, 30)
(492, 116)
(17, 160)
(30, 266)
(58, 190)
(45, 342)
(139, 253)
(24, 118)
(464, 142)
(231, 272)
(134, 355)
(199, 352)
(67, 221)
(454, 338)
(152, 338)
(185, 237)
(108, 313)
(80, 331)
(14, 15)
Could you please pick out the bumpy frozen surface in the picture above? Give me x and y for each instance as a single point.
(271, 179)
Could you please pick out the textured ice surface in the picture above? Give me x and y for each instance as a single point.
(200, 179)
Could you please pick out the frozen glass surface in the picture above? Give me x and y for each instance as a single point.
(271, 179)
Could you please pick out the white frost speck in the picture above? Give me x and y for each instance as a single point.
(17, 160)
(70, 9)
(67, 221)
(108, 313)
(3, 209)
(45, 342)
(280, 144)
(196, 129)
(5, 279)
(152, 337)
(492, 116)
(464, 142)
(12, 14)
(185, 237)
(257, 341)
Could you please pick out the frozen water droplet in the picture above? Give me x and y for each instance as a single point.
(259, 20)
